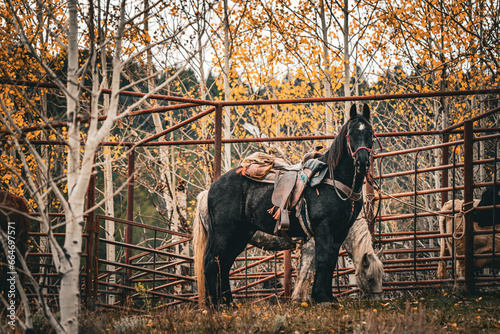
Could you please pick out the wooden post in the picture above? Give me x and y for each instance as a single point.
(468, 198)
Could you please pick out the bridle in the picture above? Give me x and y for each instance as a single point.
(349, 148)
(353, 155)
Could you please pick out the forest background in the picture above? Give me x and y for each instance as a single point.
(216, 50)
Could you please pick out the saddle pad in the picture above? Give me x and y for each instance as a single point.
(255, 171)
(259, 158)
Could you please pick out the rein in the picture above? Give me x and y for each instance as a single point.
(349, 192)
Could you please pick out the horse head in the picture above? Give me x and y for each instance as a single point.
(359, 139)
(369, 276)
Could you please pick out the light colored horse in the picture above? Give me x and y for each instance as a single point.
(483, 243)
(369, 269)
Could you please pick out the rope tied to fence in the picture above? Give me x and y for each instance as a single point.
(437, 213)
(461, 215)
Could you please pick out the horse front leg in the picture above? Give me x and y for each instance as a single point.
(327, 253)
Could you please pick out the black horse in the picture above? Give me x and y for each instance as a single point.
(238, 207)
(488, 217)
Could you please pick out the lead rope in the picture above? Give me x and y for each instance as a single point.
(437, 213)
(461, 214)
(351, 189)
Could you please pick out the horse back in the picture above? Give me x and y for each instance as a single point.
(234, 198)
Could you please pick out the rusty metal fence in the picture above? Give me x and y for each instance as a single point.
(413, 248)
(160, 274)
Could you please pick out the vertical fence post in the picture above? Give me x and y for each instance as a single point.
(89, 262)
(288, 273)
(96, 256)
(130, 208)
(445, 160)
(415, 217)
(495, 193)
(468, 198)
(218, 142)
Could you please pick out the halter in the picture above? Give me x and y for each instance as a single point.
(353, 154)
(351, 195)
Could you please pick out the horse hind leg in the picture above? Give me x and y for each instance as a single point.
(442, 272)
(219, 257)
(211, 264)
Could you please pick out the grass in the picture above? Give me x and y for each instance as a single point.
(429, 312)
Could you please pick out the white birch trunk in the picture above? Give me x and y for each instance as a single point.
(44, 228)
(109, 225)
(79, 170)
(203, 92)
(165, 171)
(347, 72)
(44, 175)
(227, 93)
(109, 205)
(69, 295)
(327, 78)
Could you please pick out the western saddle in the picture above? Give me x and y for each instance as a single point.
(289, 183)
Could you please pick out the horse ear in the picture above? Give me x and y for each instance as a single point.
(353, 113)
(366, 112)
(380, 253)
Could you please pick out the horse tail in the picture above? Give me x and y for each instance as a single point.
(200, 238)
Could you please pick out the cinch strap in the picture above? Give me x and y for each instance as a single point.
(303, 216)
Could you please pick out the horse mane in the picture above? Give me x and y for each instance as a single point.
(363, 239)
(337, 147)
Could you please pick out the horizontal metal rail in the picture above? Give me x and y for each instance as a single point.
(147, 270)
(148, 227)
